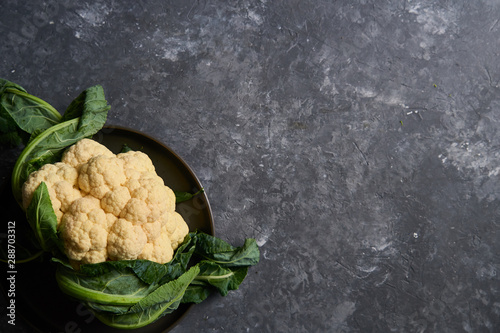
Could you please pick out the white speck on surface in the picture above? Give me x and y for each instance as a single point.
(415, 235)
(466, 155)
(170, 47)
(262, 239)
(256, 18)
(87, 20)
(391, 100)
(435, 21)
(365, 92)
(382, 245)
(476, 158)
(94, 15)
(327, 85)
(367, 269)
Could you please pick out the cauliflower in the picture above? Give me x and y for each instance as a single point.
(110, 207)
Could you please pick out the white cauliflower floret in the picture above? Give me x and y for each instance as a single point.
(137, 181)
(126, 240)
(167, 238)
(66, 193)
(176, 228)
(160, 250)
(61, 181)
(110, 207)
(114, 201)
(84, 231)
(136, 211)
(82, 151)
(152, 200)
(136, 163)
(100, 175)
(152, 230)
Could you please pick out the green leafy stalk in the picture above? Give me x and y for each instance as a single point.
(91, 107)
(160, 302)
(179, 263)
(107, 309)
(115, 287)
(21, 114)
(221, 252)
(185, 196)
(147, 271)
(223, 279)
(133, 293)
(125, 148)
(43, 220)
(196, 293)
(45, 148)
(48, 146)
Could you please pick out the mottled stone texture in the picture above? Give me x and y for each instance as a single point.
(357, 141)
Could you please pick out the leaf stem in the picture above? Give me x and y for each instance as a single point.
(211, 277)
(37, 100)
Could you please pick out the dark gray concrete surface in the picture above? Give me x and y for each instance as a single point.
(357, 141)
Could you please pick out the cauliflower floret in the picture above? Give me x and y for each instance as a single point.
(160, 250)
(136, 182)
(136, 211)
(170, 233)
(136, 163)
(82, 151)
(61, 181)
(66, 193)
(150, 199)
(100, 175)
(84, 231)
(126, 240)
(175, 227)
(152, 230)
(114, 201)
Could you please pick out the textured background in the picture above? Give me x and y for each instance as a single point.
(357, 141)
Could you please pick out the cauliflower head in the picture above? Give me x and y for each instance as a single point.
(110, 207)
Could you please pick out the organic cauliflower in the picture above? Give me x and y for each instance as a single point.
(110, 207)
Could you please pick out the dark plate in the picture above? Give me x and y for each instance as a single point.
(38, 299)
